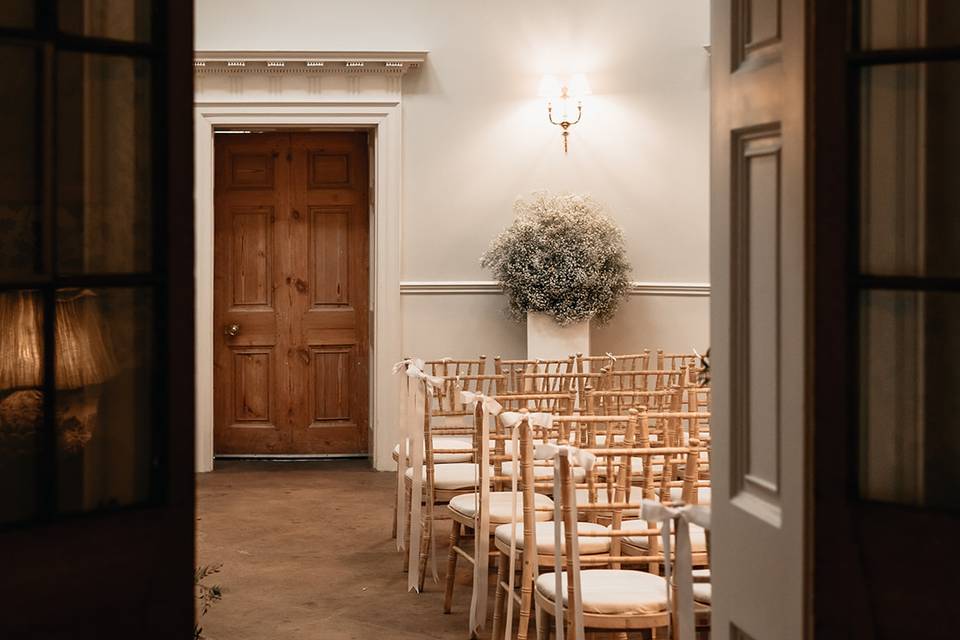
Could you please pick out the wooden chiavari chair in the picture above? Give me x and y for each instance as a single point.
(453, 442)
(539, 535)
(463, 509)
(614, 599)
(446, 416)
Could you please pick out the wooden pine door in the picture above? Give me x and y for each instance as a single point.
(291, 293)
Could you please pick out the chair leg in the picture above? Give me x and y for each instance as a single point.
(426, 540)
(526, 597)
(543, 623)
(503, 564)
(451, 566)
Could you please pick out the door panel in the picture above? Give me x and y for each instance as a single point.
(758, 318)
(249, 192)
(334, 314)
(291, 276)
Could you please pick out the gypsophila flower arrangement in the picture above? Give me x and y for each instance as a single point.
(561, 256)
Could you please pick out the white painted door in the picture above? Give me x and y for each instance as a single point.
(757, 319)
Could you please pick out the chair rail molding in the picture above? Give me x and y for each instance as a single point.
(310, 91)
(440, 287)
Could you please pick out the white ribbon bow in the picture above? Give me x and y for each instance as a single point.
(402, 365)
(586, 460)
(490, 406)
(481, 519)
(416, 372)
(654, 511)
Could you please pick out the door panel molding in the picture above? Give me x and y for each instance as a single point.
(755, 363)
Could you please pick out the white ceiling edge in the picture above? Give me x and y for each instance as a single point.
(350, 62)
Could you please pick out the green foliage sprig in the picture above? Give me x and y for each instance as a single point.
(207, 595)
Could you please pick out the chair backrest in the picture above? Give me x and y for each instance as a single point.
(515, 369)
(470, 372)
(647, 379)
(618, 490)
(614, 362)
(447, 401)
(619, 401)
(448, 415)
(666, 360)
(553, 403)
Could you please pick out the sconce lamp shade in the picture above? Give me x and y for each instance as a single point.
(579, 87)
(549, 88)
(84, 355)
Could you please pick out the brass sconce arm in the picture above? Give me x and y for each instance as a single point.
(565, 124)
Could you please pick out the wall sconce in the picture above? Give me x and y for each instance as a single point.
(563, 94)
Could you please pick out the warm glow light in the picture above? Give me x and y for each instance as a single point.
(559, 98)
(578, 86)
(549, 88)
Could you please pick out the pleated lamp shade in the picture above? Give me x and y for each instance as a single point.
(84, 354)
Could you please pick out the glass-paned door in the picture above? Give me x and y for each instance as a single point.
(96, 319)
(906, 84)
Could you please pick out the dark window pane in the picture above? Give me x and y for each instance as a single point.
(909, 406)
(901, 24)
(17, 13)
(19, 207)
(910, 197)
(21, 402)
(104, 383)
(104, 164)
(117, 19)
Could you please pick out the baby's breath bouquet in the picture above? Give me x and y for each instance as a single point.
(561, 256)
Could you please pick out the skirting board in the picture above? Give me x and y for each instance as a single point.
(433, 287)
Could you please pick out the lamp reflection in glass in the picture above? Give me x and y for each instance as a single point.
(84, 359)
(562, 94)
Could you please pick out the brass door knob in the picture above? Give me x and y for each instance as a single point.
(231, 329)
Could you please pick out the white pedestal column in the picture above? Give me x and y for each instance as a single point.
(547, 340)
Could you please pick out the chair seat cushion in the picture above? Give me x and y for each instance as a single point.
(545, 537)
(500, 503)
(447, 442)
(455, 475)
(613, 591)
(698, 537)
(702, 592)
(544, 472)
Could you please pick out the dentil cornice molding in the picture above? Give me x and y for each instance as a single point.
(394, 63)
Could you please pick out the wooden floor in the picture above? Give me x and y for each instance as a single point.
(307, 554)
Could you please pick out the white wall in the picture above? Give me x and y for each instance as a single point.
(476, 136)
